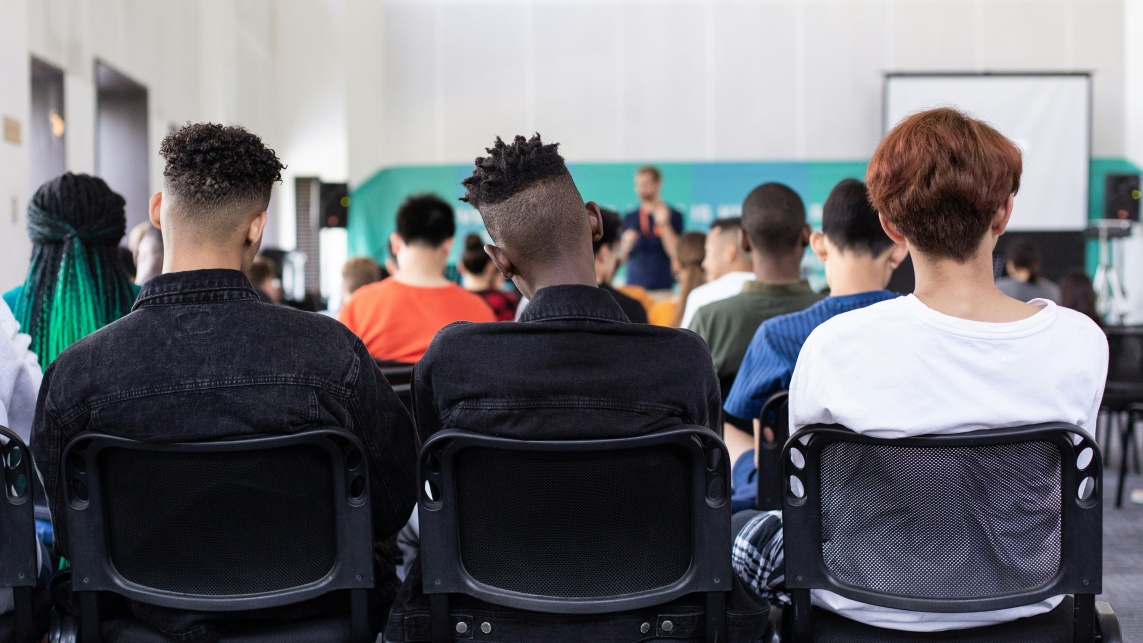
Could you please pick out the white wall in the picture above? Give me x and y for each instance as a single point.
(701, 80)
(15, 101)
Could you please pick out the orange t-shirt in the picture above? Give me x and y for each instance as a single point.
(398, 322)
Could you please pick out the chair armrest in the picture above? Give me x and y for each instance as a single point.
(1108, 623)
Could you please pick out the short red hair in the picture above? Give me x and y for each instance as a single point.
(940, 176)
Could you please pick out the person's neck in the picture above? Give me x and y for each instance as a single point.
(423, 267)
(476, 283)
(202, 258)
(852, 275)
(560, 273)
(965, 290)
(740, 266)
(786, 269)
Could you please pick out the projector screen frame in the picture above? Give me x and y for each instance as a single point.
(886, 125)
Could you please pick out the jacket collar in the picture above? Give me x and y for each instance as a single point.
(195, 287)
(573, 302)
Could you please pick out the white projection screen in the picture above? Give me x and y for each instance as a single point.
(1047, 115)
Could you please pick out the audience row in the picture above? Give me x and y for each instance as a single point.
(205, 355)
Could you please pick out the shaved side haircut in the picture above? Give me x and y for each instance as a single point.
(217, 177)
(526, 197)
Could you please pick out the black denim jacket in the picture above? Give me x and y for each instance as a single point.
(200, 357)
(572, 351)
(573, 367)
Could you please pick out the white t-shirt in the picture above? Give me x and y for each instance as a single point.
(899, 368)
(724, 287)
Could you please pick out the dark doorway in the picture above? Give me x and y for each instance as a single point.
(121, 140)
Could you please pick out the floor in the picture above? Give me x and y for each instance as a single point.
(1123, 556)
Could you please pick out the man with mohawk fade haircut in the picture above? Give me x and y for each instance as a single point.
(572, 368)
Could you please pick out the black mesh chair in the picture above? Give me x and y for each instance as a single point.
(221, 527)
(17, 538)
(1124, 392)
(776, 415)
(952, 523)
(575, 527)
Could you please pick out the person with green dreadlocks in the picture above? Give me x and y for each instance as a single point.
(76, 283)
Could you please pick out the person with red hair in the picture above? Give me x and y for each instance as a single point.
(957, 355)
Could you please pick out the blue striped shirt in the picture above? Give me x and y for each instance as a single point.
(770, 359)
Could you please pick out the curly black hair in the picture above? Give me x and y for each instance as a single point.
(212, 166)
(509, 169)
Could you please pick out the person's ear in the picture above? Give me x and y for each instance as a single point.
(897, 255)
(818, 245)
(806, 232)
(500, 260)
(744, 243)
(1003, 215)
(396, 244)
(255, 229)
(891, 230)
(156, 210)
(594, 220)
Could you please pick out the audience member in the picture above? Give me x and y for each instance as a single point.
(398, 317)
(957, 355)
(1025, 280)
(1077, 293)
(263, 276)
(607, 262)
(76, 283)
(20, 377)
(146, 245)
(355, 273)
(727, 268)
(650, 234)
(859, 259)
(774, 235)
(573, 367)
(201, 358)
(687, 266)
(479, 275)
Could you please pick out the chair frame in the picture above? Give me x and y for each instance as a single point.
(769, 478)
(93, 570)
(443, 569)
(1081, 524)
(18, 563)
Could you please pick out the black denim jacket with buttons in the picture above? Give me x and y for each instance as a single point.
(201, 358)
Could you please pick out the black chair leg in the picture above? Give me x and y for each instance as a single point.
(25, 621)
(715, 617)
(360, 623)
(1124, 453)
(89, 629)
(801, 626)
(441, 618)
(1083, 615)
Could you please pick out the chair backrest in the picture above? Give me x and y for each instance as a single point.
(1125, 363)
(17, 520)
(18, 569)
(575, 527)
(949, 523)
(220, 526)
(776, 415)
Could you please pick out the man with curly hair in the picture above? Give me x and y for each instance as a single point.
(201, 358)
(573, 367)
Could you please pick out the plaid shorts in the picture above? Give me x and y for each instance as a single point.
(759, 556)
